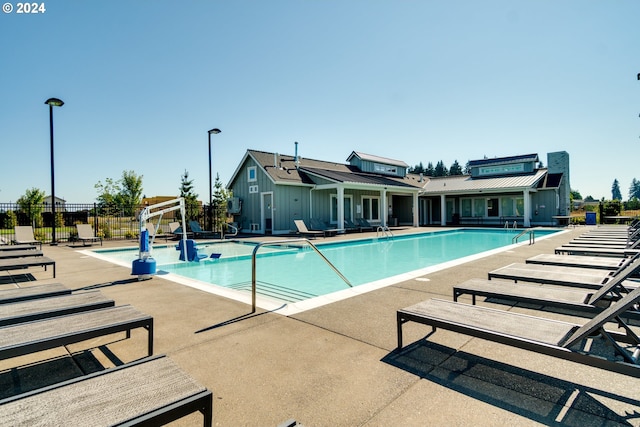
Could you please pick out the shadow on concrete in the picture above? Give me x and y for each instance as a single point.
(517, 390)
(238, 319)
(108, 284)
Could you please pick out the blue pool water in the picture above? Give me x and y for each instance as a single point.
(297, 273)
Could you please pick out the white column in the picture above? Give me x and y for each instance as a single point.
(340, 219)
(527, 208)
(416, 210)
(384, 207)
(443, 210)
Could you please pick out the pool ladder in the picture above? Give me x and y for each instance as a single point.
(277, 243)
(384, 231)
(532, 236)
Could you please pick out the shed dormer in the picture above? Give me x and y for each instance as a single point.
(380, 165)
(503, 166)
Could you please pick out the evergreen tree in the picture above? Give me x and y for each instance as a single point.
(429, 171)
(467, 169)
(441, 169)
(455, 168)
(191, 205)
(417, 169)
(615, 190)
(634, 189)
(220, 197)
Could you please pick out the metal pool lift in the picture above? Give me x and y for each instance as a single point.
(145, 265)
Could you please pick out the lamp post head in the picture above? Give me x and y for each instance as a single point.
(214, 131)
(55, 102)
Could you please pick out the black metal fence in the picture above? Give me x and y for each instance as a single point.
(110, 223)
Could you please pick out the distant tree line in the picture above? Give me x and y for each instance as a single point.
(440, 169)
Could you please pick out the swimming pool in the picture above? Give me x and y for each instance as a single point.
(295, 277)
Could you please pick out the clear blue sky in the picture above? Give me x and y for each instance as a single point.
(143, 81)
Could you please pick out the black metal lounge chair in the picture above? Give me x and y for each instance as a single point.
(43, 308)
(199, 232)
(20, 254)
(596, 251)
(304, 231)
(25, 338)
(566, 276)
(597, 262)
(8, 296)
(148, 392)
(364, 224)
(317, 225)
(22, 263)
(86, 234)
(10, 248)
(555, 338)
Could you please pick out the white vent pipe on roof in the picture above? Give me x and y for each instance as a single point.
(296, 160)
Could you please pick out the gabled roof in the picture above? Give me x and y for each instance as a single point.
(355, 176)
(466, 184)
(376, 159)
(504, 160)
(281, 169)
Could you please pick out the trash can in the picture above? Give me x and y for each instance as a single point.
(590, 218)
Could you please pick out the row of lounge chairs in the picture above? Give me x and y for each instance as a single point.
(22, 256)
(152, 390)
(603, 290)
(318, 228)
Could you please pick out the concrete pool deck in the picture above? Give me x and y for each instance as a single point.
(334, 365)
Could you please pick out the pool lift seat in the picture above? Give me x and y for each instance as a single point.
(145, 266)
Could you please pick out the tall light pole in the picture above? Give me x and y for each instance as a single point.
(53, 102)
(214, 131)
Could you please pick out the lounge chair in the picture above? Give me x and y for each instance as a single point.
(156, 232)
(86, 234)
(304, 231)
(9, 248)
(176, 229)
(574, 299)
(364, 224)
(566, 276)
(33, 292)
(350, 226)
(555, 338)
(150, 391)
(43, 308)
(24, 235)
(317, 225)
(39, 335)
(598, 262)
(199, 232)
(20, 254)
(596, 251)
(22, 263)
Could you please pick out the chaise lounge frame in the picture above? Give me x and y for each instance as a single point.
(39, 335)
(545, 336)
(142, 398)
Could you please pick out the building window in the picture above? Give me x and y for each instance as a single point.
(466, 207)
(479, 207)
(371, 208)
(347, 208)
(253, 189)
(252, 174)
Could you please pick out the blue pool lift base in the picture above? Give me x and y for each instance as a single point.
(143, 268)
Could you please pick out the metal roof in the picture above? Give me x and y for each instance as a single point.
(466, 184)
(354, 176)
(377, 159)
(504, 160)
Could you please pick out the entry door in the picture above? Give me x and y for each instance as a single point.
(267, 212)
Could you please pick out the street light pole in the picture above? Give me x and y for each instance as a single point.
(214, 131)
(53, 102)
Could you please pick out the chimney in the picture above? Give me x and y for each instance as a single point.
(275, 160)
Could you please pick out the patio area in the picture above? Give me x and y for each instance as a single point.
(335, 365)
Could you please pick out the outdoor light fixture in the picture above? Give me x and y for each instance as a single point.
(214, 131)
(53, 102)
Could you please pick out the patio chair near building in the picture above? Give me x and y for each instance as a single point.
(24, 235)
(304, 231)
